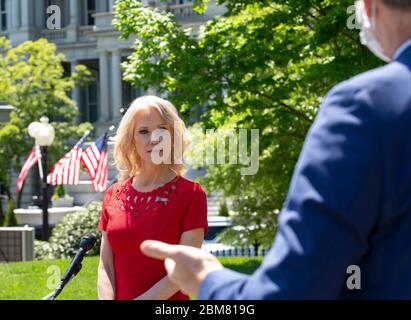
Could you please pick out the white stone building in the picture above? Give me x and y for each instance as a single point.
(87, 37)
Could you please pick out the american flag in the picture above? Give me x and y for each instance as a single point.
(67, 169)
(34, 157)
(94, 159)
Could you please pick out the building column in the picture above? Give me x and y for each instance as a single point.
(74, 21)
(9, 16)
(75, 94)
(116, 89)
(74, 12)
(111, 5)
(24, 9)
(15, 12)
(104, 87)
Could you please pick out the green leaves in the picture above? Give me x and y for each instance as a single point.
(263, 65)
(200, 6)
(32, 80)
(66, 235)
(10, 220)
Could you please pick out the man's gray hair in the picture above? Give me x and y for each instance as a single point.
(400, 4)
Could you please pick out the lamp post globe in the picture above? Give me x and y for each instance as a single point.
(42, 132)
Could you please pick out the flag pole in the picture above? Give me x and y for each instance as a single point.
(40, 168)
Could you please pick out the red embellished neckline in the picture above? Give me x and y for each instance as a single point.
(135, 202)
(157, 190)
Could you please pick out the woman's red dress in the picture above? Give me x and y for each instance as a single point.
(129, 217)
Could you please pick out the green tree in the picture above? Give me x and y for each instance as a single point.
(223, 210)
(1, 214)
(264, 65)
(32, 79)
(10, 220)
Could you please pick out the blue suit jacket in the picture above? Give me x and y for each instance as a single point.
(349, 201)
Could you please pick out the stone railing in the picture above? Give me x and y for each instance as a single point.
(84, 34)
(57, 35)
(182, 10)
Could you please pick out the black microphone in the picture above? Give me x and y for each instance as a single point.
(86, 244)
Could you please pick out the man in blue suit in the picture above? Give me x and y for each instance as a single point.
(348, 209)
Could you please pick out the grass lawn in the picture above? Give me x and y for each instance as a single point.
(30, 280)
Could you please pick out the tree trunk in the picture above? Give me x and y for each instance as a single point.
(256, 245)
(7, 190)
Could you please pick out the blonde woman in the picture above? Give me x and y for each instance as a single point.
(151, 200)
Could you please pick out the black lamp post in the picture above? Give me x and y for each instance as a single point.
(43, 132)
(44, 187)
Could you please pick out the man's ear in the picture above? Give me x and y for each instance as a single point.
(368, 7)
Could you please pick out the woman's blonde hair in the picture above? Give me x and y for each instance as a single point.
(126, 157)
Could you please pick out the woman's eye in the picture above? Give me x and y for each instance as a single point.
(143, 131)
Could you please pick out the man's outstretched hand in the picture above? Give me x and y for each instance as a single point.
(186, 266)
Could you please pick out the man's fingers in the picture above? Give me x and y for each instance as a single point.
(158, 249)
(170, 266)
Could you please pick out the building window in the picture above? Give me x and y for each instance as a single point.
(129, 94)
(90, 10)
(174, 2)
(3, 15)
(91, 102)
